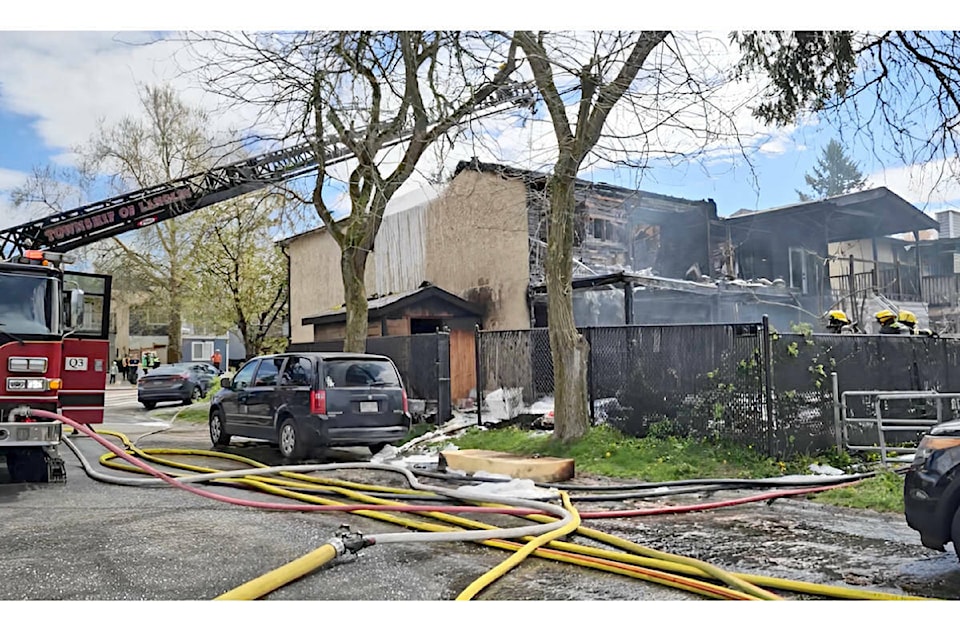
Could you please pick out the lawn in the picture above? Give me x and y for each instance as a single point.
(608, 452)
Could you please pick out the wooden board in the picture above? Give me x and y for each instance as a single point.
(545, 469)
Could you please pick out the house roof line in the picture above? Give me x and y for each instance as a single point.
(383, 305)
(537, 176)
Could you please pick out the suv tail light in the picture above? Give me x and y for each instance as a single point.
(318, 402)
(406, 405)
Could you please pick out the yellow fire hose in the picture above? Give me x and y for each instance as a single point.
(520, 554)
(273, 580)
(638, 562)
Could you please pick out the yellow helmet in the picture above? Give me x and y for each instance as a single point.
(907, 317)
(838, 317)
(885, 316)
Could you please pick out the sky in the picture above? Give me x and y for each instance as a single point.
(57, 84)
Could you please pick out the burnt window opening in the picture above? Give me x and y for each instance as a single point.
(425, 325)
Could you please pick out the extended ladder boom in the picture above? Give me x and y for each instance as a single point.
(113, 216)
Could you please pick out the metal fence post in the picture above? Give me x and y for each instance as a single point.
(443, 376)
(479, 371)
(837, 420)
(768, 383)
(591, 383)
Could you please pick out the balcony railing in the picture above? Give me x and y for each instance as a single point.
(942, 291)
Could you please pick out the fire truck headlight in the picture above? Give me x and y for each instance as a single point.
(27, 384)
(27, 365)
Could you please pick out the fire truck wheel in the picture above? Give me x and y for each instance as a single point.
(218, 435)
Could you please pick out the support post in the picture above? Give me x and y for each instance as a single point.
(768, 383)
(837, 418)
(478, 368)
(591, 382)
(916, 247)
(854, 305)
(896, 272)
(628, 303)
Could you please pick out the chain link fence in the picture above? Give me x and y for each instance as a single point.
(718, 380)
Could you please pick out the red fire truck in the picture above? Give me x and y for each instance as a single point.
(53, 355)
(54, 343)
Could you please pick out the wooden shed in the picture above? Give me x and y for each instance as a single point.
(424, 310)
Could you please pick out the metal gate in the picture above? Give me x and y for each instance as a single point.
(892, 421)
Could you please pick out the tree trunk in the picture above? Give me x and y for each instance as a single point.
(353, 263)
(174, 353)
(174, 317)
(570, 350)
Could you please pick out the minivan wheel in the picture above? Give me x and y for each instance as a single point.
(290, 441)
(377, 448)
(218, 434)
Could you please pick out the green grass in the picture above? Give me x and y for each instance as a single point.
(607, 452)
(883, 492)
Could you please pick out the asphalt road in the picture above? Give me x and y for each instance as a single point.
(87, 540)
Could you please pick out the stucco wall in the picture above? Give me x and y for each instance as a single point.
(471, 241)
(316, 285)
(477, 246)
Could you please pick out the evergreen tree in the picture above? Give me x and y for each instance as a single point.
(835, 174)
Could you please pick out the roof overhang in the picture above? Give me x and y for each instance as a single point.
(378, 308)
(865, 214)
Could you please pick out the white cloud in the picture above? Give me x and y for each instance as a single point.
(930, 186)
(69, 81)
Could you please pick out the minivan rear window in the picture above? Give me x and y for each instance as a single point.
(360, 373)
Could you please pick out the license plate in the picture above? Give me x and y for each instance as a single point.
(369, 407)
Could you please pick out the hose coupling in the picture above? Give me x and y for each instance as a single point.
(353, 541)
(19, 411)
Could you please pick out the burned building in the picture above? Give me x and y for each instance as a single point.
(640, 257)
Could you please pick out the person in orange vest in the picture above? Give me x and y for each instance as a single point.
(216, 360)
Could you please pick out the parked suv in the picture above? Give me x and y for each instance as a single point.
(306, 401)
(931, 489)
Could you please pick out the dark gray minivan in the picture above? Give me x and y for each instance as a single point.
(305, 401)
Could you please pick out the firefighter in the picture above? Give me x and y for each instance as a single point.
(888, 322)
(837, 322)
(909, 320)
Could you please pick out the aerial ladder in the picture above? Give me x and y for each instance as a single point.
(54, 345)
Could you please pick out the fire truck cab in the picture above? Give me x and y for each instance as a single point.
(53, 356)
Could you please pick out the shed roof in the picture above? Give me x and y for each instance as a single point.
(865, 214)
(384, 305)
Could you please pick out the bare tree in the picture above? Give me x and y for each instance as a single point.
(362, 91)
(168, 140)
(599, 90)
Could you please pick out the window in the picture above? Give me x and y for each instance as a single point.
(244, 376)
(361, 373)
(298, 373)
(201, 351)
(267, 373)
